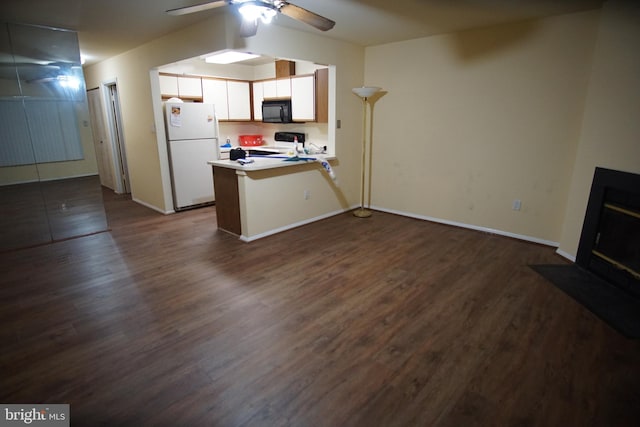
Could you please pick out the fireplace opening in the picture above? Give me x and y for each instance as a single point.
(610, 239)
(618, 239)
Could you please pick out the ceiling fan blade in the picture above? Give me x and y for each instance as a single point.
(248, 28)
(197, 7)
(306, 16)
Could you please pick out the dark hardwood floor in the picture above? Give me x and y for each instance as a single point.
(386, 321)
(42, 212)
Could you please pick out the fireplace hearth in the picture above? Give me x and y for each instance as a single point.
(610, 240)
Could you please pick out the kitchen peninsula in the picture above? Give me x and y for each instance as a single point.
(272, 195)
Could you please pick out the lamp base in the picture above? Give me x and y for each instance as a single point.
(362, 213)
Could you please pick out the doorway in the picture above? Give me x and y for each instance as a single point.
(117, 136)
(106, 124)
(100, 139)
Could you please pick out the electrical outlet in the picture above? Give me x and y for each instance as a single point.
(307, 194)
(517, 204)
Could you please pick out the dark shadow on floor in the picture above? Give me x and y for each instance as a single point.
(617, 308)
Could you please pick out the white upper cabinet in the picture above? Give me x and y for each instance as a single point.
(258, 97)
(182, 87)
(269, 89)
(168, 85)
(239, 100)
(189, 87)
(283, 87)
(301, 90)
(277, 88)
(231, 98)
(303, 100)
(215, 92)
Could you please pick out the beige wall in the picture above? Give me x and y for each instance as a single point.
(132, 71)
(469, 122)
(610, 133)
(265, 211)
(473, 120)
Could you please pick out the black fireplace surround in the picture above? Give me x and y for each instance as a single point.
(610, 241)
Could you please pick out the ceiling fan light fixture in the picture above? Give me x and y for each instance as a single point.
(251, 11)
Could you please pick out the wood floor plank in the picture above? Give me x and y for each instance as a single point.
(385, 321)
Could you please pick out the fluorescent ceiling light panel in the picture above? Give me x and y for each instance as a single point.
(229, 57)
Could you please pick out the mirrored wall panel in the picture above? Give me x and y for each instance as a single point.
(48, 174)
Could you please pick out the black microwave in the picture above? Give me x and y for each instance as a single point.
(276, 111)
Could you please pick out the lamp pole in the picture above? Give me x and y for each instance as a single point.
(364, 92)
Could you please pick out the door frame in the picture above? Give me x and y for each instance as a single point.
(113, 121)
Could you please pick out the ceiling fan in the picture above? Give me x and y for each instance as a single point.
(265, 10)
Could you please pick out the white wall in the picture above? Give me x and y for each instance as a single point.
(473, 120)
(610, 132)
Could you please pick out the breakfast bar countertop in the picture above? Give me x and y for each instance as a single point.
(268, 162)
(250, 199)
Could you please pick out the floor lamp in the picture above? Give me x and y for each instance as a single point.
(364, 92)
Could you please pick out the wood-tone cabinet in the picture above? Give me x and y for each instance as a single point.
(225, 183)
(285, 68)
(322, 95)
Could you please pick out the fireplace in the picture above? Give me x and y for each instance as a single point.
(610, 240)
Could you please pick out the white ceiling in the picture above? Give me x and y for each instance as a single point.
(109, 27)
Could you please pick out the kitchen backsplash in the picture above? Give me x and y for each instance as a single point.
(315, 133)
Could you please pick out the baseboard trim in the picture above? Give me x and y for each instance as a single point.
(150, 206)
(31, 181)
(69, 177)
(420, 217)
(291, 226)
(566, 255)
(471, 227)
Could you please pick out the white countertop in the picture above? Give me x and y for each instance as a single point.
(268, 162)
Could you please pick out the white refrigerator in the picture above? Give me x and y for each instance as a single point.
(192, 139)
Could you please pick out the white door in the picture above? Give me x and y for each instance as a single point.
(100, 140)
